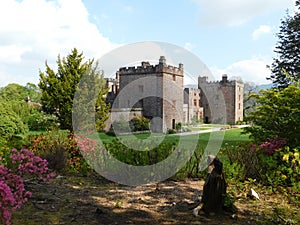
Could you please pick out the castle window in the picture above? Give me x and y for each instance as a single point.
(141, 88)
(195, 102)
(174, 77)
(239, 106)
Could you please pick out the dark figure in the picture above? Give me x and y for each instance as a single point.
(214, 189)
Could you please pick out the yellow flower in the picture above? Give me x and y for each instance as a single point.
(296, 155)
(285, 157)
(294, 161)
(283, 176)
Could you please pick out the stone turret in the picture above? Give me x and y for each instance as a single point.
(162, 88)
(216, 95)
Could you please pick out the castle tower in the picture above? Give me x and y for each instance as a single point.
(222, 101)
(156, 89)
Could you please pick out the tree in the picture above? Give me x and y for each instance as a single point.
(16, 92)
(58, 89)
(277, 115)
(288, 50)
(249, 103)
(11, 123)
(89, 105)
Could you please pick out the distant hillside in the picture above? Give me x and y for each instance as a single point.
(264, 87)
(258, 88)
(191, 86)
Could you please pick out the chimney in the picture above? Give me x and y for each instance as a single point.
(224, 78)
(162, 60)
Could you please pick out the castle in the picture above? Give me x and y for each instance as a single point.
(157, 92)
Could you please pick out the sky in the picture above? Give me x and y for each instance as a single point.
(230, 37)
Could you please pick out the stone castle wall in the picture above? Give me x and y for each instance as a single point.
(155, 88)
(222, 100)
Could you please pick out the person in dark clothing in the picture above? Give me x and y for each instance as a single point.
(214, 189)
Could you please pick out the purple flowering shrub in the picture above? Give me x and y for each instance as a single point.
(271, 162)
(270, 146)
(16, 165)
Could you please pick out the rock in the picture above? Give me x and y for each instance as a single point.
(196, 211)
(253, 193)
(233, 216)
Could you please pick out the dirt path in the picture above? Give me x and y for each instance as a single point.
(93, 201)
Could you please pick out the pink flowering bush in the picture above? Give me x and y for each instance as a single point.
(14, 167)
(61, 151)
(270, 146)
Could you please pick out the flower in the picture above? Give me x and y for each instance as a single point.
(285, 157)
(283, 176)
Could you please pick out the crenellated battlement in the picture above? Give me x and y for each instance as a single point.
(147, 68)
(204, 81)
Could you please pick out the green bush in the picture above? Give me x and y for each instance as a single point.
(269, 163)
(283, 168)
(120, 126)
(244, 162)
(10, 123)
(60, 149)
(171, 131)
(178, 126)
(135, 157)
(39, 121)
(139, 124)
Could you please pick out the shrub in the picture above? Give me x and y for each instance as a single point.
(39, 121)
(283, 168)
(171, 131)
(244, 162)
(15, 165)
(61, 149)
(121, 126)
(178, 126)
(139, 124)
(11, 124)
(269, 163)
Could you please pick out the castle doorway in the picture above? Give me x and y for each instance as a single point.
(173, 124)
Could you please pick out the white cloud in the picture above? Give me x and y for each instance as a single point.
(237, 12)
(33, 31)
(128, 9)
(263, 29)
(189, 46)
(250, 70)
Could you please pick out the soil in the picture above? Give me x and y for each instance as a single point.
(93, 200)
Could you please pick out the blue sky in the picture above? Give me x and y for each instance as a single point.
(230, 36)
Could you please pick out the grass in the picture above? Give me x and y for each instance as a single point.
(230, 137)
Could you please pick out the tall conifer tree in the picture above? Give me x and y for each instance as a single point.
(58, 89)
(288, 50)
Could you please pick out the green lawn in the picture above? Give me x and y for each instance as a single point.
(231, 136)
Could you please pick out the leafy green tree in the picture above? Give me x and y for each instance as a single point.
(288, 50)
(59, 88)
(10, 122)
(277, 114)
(16, 92)
(89, 105)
